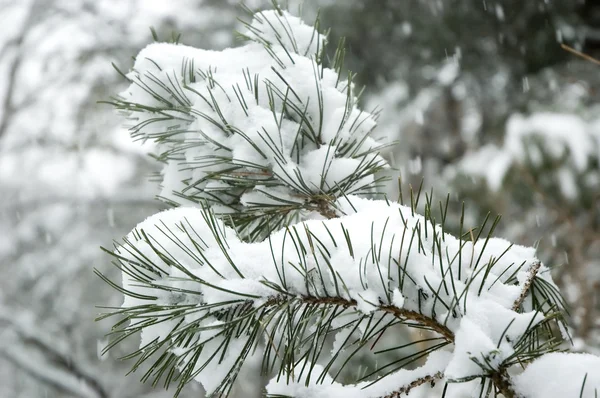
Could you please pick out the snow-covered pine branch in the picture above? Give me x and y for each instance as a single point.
(192, 285)
(264, 133)
(283, 255)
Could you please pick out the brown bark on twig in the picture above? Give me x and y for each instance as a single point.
(580, 54)
(405, 390)
(532, 274)
(400, 313)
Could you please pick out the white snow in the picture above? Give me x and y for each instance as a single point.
(561, 375)
(398, 299)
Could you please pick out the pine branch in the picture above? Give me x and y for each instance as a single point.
(502, 383)
(400, 313)
(580, 54)
(271, 307)
(289, 250)
(320, 298)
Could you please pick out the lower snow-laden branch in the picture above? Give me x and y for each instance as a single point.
(312, 295)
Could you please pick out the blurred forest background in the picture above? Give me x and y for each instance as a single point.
(481, 98)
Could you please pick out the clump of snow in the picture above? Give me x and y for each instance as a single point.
(561, 375)
(398, 299)
(485, 340)
(448, 73)
(472, 346)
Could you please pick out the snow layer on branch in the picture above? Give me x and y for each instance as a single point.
(359, 262)
(378, 254)
(261, 125)
(561, 375)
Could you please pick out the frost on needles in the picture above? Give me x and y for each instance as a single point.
(281, 251)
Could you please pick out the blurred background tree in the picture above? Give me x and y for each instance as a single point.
(71, 180)
(481, 98)
(485, 104)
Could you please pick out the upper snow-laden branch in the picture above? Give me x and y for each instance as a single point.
(265, 133)
(193, 287)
